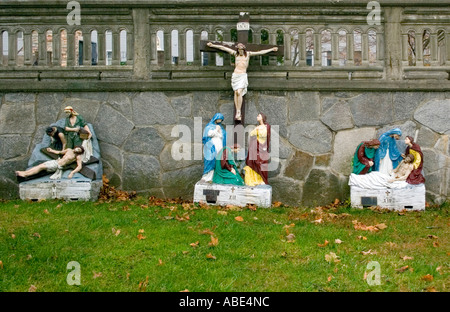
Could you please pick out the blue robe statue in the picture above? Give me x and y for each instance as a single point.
(387, 142)
(209, 149)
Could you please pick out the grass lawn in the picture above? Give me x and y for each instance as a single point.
(148, 245)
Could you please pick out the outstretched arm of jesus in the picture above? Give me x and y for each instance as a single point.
(216, 46)
(263, 51)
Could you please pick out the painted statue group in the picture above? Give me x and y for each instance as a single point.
(71, 144)
(219, 164)
(379, 162)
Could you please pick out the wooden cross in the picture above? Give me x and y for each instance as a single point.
(243, 27)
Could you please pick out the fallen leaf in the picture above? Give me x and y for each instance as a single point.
(1, 264)
(194, 245)
(207, 231)
(402, 269)
(324, 244)
(214, 241)
(186, 290)
(329, 278)
(251, 207)
(210, 256)
(239, 218)
(37, 235)
(143, 284)
(290, 238)
(160, 262)
(431, 289)
(435, 244)
(141, 231)
(222, 212)
(140, 236)
(277, 222)
(369, 252)
(185, 252)
(381, 226)
(276, 204)
(99, 274)
(432, 236)
(338, 241)
(427, 278)
(407, 258)
(32, 288)
(362, 237)
(332, 257)
(46, 211)
(13, 236)
(317, 221)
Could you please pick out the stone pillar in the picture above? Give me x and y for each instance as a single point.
(365, 48)
(317, 50)
(419, 48)
(434, 47)
(42, 48)
(101, 47)
(405, 48)
(130, 48)
(27, 48)
(116, 48)
(392, 47)
(142, 46)
(447, 45)
(335, 48)
(87, 48)
(12, 49)
(56, 45)
(380, 46)
(1, 48)
(197, 53)
(70, 49)
(181, 47)
(287, 47)
(302, 48)
(350, 48)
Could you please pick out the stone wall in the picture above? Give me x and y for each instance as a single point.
(318, 134)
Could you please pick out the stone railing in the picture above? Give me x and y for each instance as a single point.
(158, 44)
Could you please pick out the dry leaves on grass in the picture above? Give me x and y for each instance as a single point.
(324, 244)
(143, 284)
(32, 288)
(96, 275)
(214, 241)
(290, 238)
(239, 218)
(372, 228)
(210, 256)
(141, 236)
(194, 245)
(427, 278)
(404, 268)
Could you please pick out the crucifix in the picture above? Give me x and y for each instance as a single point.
(242, 50)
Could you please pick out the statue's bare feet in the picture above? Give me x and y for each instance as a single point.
(238, 115)
(20, 174)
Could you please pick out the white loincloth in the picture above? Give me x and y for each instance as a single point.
(386, 164)
(375, 180)
(239, 81)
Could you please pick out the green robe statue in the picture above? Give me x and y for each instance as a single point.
(365, 152)
(73, 138)
(222, 170)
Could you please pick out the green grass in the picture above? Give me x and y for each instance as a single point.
(39, 239)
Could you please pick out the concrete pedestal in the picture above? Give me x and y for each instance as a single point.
(78, 188)
(411, 197)
(223, 194)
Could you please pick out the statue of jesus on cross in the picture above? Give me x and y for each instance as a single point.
(239, 80)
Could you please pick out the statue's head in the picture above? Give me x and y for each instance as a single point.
(78, 150)
(68, 110)
(241, 49)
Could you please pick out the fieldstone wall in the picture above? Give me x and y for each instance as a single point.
(318, 134)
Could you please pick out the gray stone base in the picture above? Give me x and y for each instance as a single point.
(409, 198)
(222, 194)
(71, 190)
